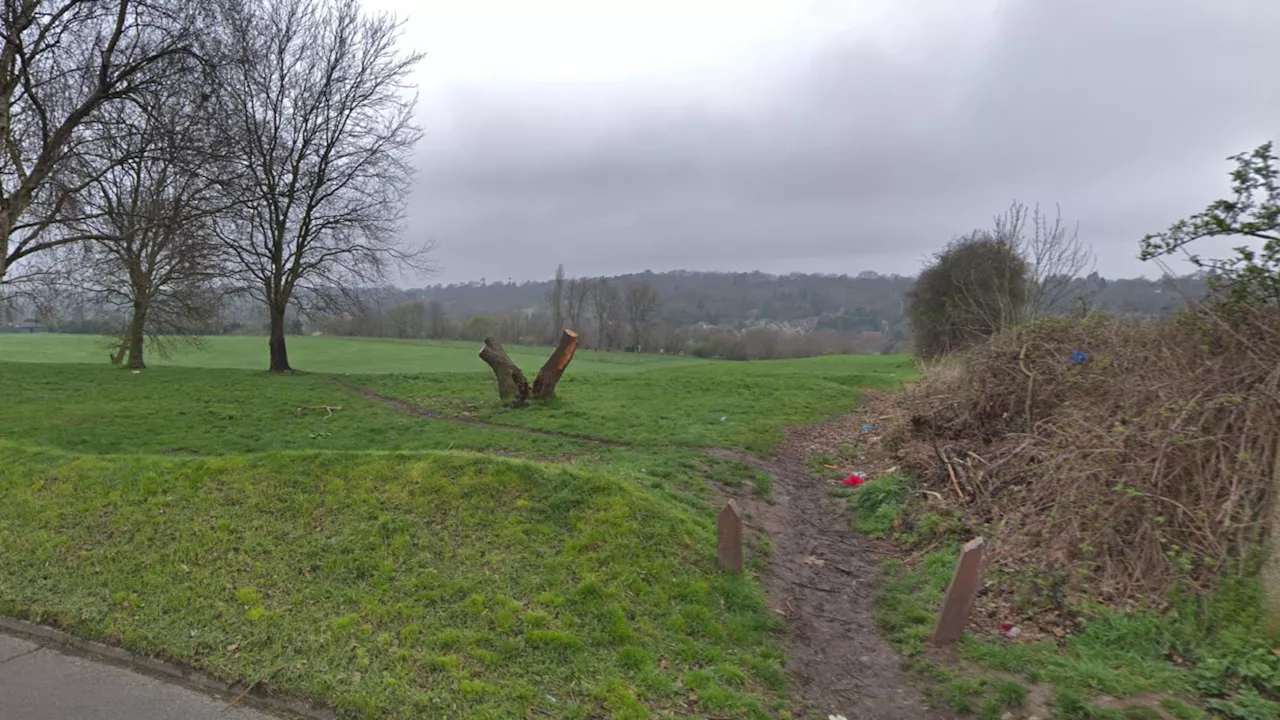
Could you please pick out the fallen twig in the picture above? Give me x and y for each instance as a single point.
(251, 685)
(327, 408)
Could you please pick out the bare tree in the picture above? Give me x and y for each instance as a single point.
(146, 212)
(555, 298)
(60, 64)
(641, 302)
(606, 304)
(438, 325)
(408, 320)
(576, 292)
(1054, 254)
(320, 119)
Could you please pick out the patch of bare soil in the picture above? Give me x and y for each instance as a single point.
(821, 579)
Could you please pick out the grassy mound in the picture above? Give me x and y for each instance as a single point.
(392, 585)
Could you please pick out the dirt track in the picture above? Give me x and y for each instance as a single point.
(821, 579)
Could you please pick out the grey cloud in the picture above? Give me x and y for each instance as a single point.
(1122, 112)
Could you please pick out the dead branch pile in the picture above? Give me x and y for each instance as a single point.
(1149, 463)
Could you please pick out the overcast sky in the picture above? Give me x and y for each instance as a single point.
(824, 136)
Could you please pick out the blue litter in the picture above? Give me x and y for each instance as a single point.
(1078, 357)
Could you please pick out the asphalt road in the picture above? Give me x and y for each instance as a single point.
(40, 683)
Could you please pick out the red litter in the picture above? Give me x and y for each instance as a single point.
(853, 480)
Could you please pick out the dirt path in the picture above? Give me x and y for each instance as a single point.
(821, 580)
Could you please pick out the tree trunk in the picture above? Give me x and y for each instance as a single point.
(279, 355)
(6, 227)
(512, 387)
(136, 337)
(544, 386)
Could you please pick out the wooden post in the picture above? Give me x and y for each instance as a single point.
(730, 528)
(960, 594)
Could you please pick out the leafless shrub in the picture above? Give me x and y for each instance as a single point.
(1054, 254)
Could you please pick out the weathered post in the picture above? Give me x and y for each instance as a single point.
(960, 594)
(730, 531)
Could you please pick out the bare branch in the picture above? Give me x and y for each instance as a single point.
(61, 64)
(1053, 251)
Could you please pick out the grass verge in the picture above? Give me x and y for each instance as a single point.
(393, 585)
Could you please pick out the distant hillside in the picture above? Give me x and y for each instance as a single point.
(868, 301)
(727, 315)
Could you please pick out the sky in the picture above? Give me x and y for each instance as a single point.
(834, 136)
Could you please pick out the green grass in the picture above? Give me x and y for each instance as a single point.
(742, 406)
(325, 354)
(1224, 662)
(190, 411)
(392, 585)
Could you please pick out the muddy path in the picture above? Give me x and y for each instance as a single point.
(821, 580)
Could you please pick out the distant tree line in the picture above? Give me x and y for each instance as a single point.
(841, 314)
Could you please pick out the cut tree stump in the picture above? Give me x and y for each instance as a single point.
(544, 385)
(512, 385)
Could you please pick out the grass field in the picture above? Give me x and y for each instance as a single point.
(392, 565)
(320, 354)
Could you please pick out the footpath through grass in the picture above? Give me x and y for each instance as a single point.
(429, 585)
(1199, 657)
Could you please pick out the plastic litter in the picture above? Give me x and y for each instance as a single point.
(1078, 357)
(854, 480)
